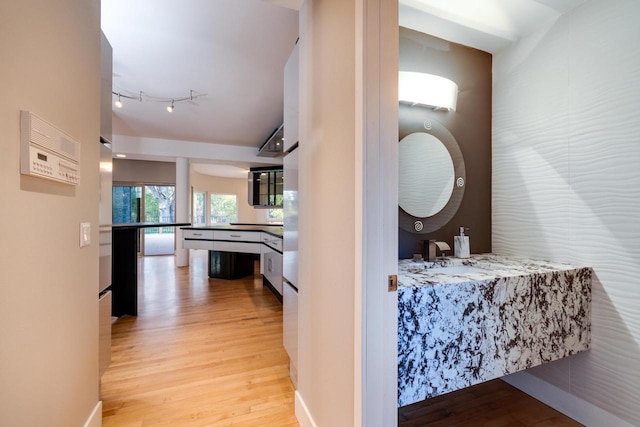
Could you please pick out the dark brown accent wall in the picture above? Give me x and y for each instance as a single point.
(470, 124)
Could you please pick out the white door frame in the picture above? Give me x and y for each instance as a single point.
(377, 114)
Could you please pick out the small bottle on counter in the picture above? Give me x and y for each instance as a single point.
(461, 247)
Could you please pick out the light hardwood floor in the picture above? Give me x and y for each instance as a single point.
(202, 352)
(208, 352)
(490, 404)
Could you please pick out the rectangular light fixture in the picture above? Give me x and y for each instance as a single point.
(427, 89)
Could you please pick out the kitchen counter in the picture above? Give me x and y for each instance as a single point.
(232, 249)
(137, 225)
(124, 267)
(462, 322)
(274, 230)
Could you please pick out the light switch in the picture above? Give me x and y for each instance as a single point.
(85, 234)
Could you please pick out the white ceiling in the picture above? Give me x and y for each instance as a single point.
(234, 51)
(488, 25)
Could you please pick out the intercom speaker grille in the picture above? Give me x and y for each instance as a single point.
(53, 139)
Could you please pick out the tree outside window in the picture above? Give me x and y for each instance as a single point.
(274, 215)
(224, 208)
(160, 203)
(199, 207)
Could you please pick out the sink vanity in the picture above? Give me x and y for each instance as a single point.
(465, 321)
(462, 322)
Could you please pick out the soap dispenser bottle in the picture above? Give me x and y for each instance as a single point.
(461, 245)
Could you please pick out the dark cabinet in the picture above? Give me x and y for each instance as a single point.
(265, 187)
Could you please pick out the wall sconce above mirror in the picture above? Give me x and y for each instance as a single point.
(427, 89)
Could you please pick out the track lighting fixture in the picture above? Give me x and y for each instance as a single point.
(144, 97)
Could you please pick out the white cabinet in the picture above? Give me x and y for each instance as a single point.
(197, 239)
(242, 247)
(197, 234)
(104, 332)
(272, 241)
(291, 100)
(273, 269)
(271, 260)
(237, 241)
(223, 240)
(290, 211)
(290, 329)
(237, 236)
(290, 220)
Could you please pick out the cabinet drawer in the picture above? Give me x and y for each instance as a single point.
(249, 248)
(240, 236)
(197, 244)
(197, 234)
(272, 241)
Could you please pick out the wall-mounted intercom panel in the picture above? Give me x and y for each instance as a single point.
(47, 152)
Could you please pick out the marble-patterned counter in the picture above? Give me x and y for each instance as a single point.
(462, 322)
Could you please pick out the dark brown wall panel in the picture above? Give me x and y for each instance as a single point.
(470, 124)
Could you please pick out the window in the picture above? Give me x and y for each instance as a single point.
(224, 208)
(199, 207)
(127, 203)
(274, 215)
(147, 203)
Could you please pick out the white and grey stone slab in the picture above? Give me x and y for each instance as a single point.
(462, 322)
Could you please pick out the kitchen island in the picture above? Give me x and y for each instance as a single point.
(124, 266)
(462, 322)
(232, 249)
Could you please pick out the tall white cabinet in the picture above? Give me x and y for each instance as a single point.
(291, 102)
(291, 284)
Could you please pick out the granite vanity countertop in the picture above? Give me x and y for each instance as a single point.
(482, 267)
(462, 322)
(274, 230)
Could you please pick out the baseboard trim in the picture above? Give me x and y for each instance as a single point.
(573, 407)
(267, 283)
(302, 412)
(95, 419)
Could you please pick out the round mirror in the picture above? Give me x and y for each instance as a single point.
(426, 175)
(431, 173)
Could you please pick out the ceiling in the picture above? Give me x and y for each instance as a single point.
(232, 53)
(488, 25)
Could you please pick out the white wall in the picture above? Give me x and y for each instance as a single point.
(49, 302)
(239, 187)
(566, 150)
(327, 202)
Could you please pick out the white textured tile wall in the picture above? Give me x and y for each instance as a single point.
(566, 181)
